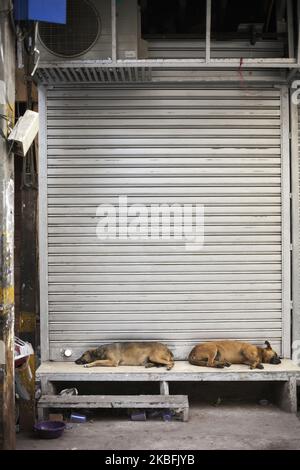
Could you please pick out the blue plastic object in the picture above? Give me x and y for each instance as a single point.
(167, 415)
(51, 11)
(49, 429)
(77, 418)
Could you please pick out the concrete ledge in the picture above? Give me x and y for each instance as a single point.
(182, 371)
(284, 375)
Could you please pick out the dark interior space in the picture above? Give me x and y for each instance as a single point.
(232, 18)
(200, 394)
(208, 393)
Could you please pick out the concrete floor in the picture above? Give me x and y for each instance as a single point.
(228, 426)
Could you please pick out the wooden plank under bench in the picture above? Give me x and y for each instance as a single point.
(176, 402)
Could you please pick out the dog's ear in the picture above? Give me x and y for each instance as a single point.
(268, 345)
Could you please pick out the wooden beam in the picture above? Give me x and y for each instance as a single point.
(112, 401)
(178, 403)
(7, 100)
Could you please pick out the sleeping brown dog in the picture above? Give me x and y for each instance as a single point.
(224, 353)
(128, 354)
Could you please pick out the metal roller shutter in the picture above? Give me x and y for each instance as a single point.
(184, 144)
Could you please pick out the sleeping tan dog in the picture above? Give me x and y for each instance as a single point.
(128, 354)
(224, 353)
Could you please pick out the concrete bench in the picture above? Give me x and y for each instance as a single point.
(284, 376)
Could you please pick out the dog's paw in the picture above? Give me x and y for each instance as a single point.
(227, 364)
(220, 366)
(85, 365)
(149, 365)
(260, 366)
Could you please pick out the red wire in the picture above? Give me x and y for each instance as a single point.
(241, 72)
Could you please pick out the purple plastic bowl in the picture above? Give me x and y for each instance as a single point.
(49, 429)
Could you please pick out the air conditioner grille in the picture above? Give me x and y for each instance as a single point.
(77, 36)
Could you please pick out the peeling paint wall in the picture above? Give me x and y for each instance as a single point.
(7, 243)
(7, 99)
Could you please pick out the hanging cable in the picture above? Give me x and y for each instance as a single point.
(36, 52)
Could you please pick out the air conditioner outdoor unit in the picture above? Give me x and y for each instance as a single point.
(87, 33)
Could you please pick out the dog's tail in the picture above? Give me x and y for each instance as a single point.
(170, 358)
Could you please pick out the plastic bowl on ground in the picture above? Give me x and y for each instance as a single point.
(49, 429)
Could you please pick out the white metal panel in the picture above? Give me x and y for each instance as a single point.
(286, 226)
(295, 183)
(165, 144)
(43, 223)
(160, 71)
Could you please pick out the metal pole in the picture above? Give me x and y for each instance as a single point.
(295, 221)
(285, 224)
(7, 99)
(290, 26)
(208, 29)
(298, 29)
(113, 30)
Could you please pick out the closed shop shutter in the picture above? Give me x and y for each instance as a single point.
(220, 148)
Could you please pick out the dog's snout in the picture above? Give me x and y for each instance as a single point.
(79, 361)
(275, 360)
